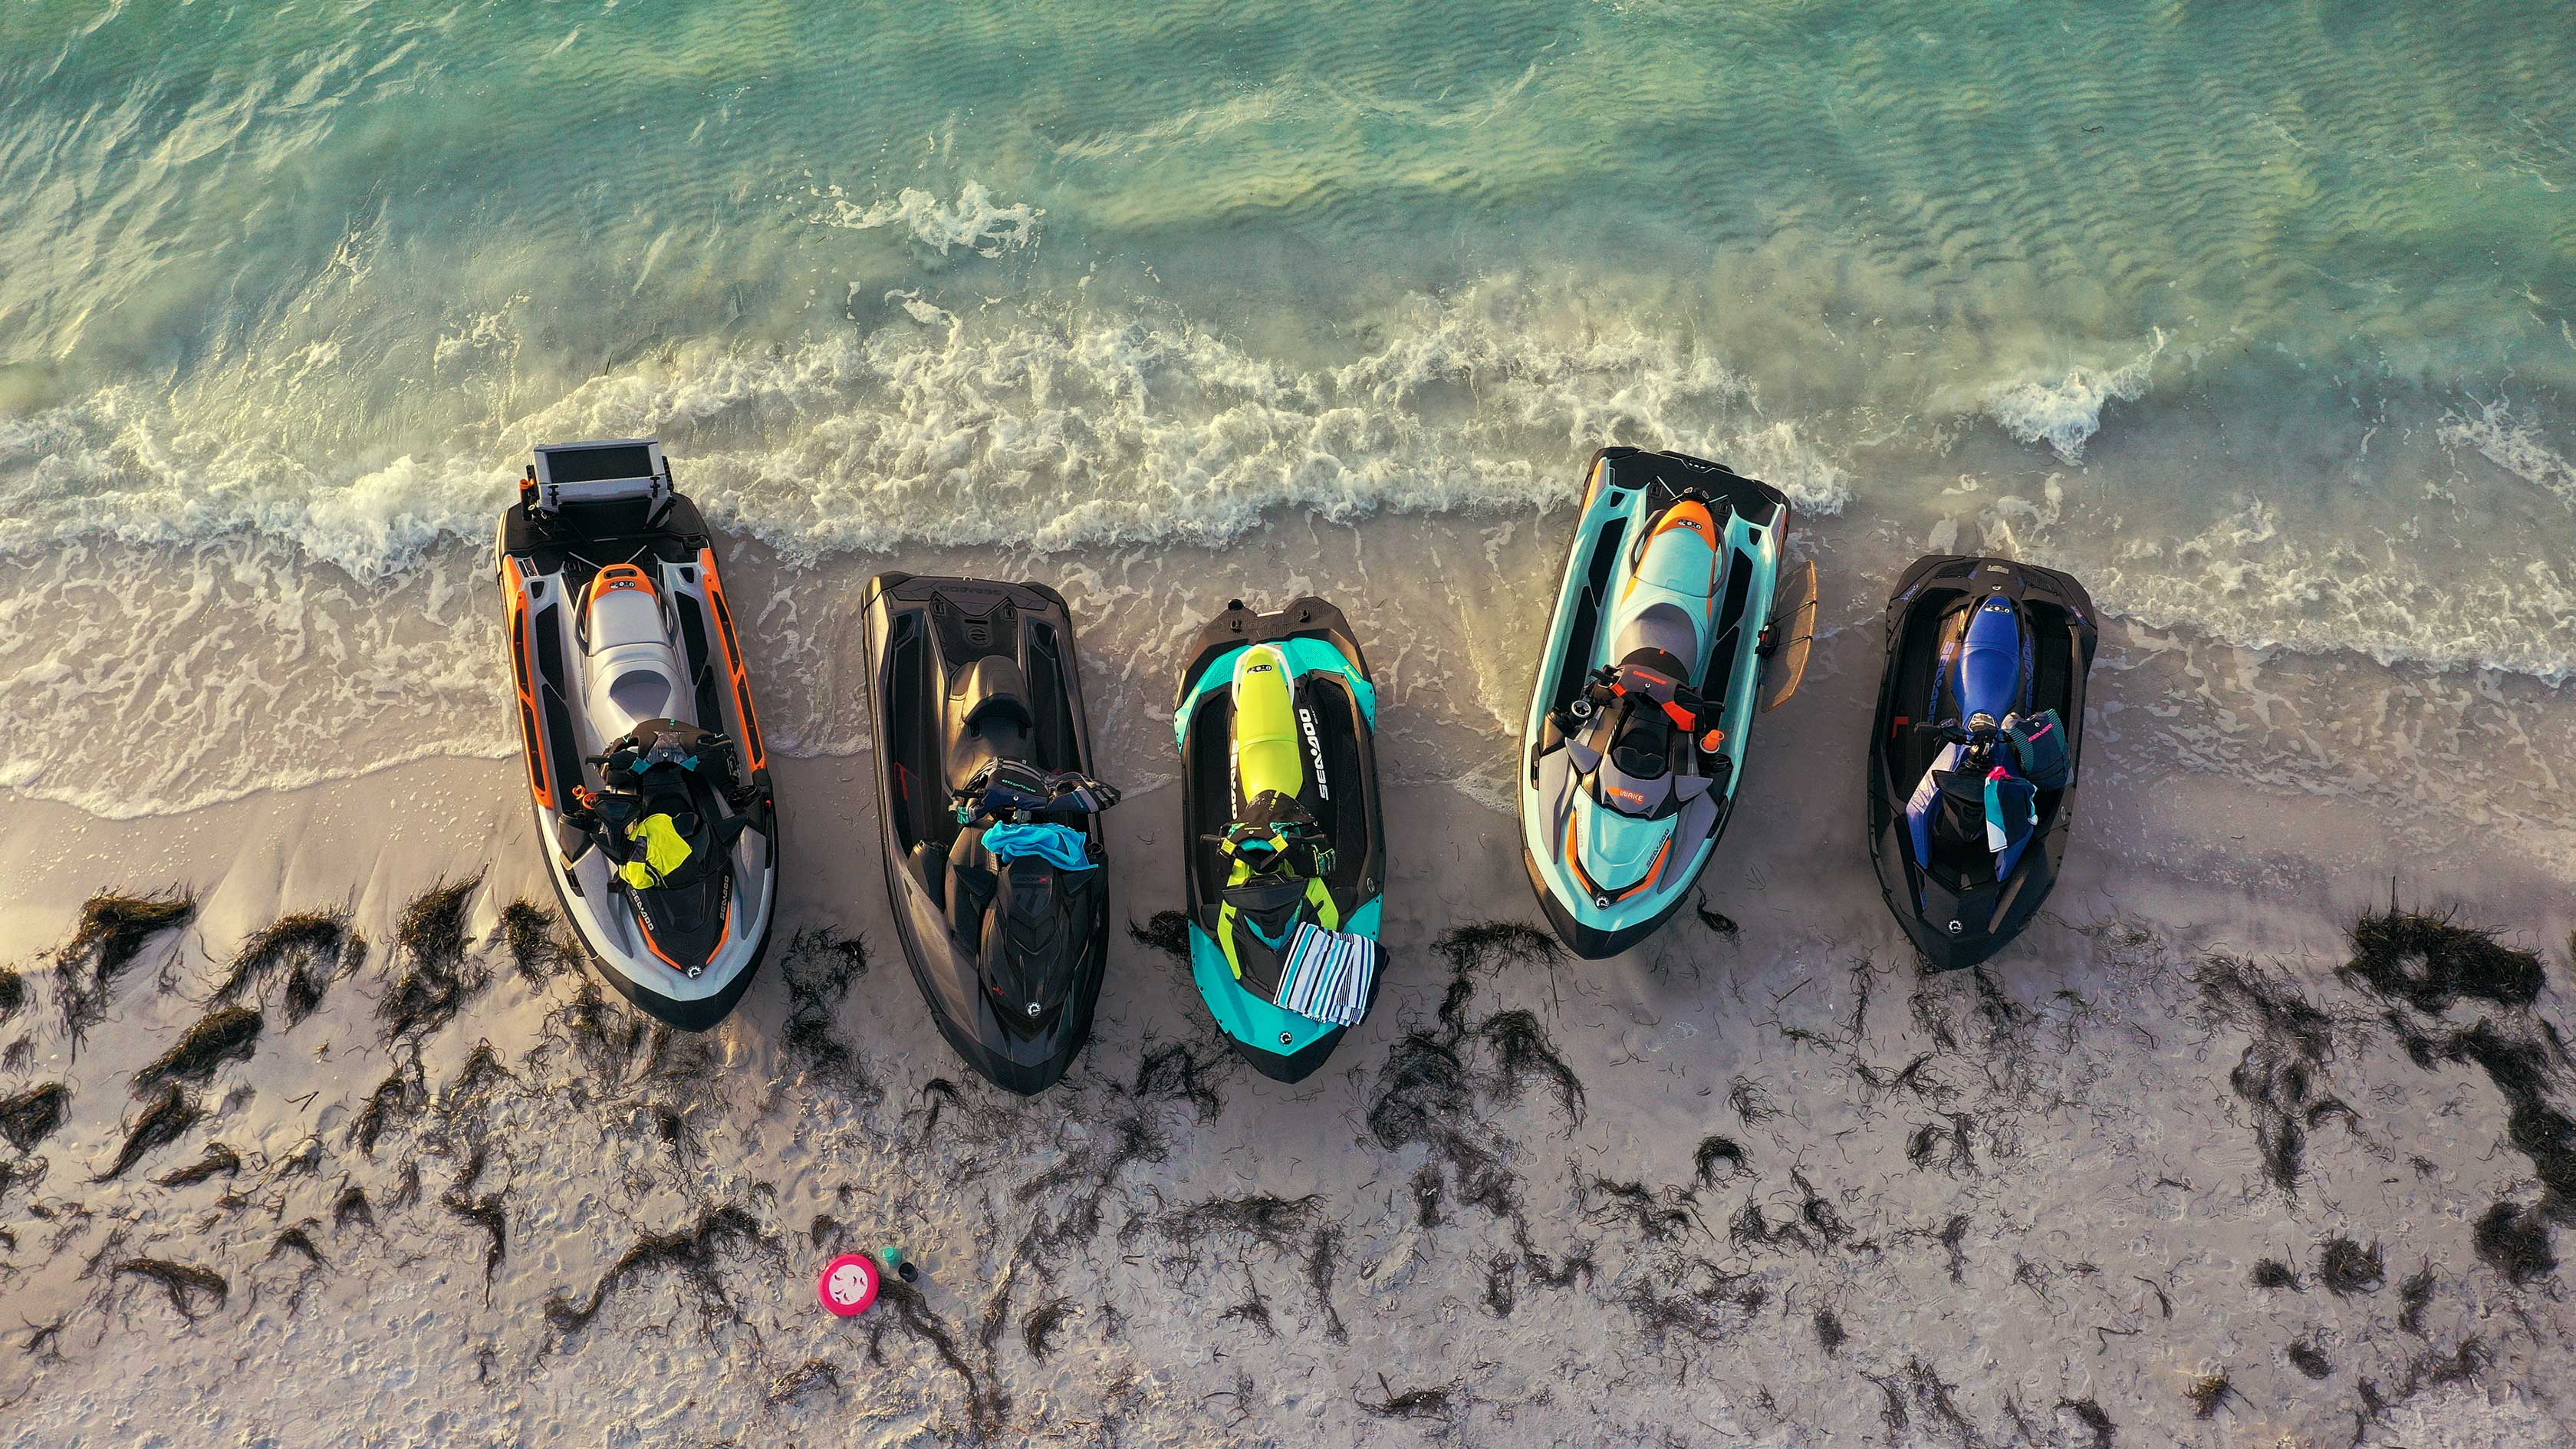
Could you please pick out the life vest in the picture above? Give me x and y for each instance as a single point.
(665, 851)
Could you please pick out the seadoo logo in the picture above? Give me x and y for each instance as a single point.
(1315, 748)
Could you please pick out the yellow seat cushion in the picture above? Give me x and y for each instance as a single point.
(1267, 752)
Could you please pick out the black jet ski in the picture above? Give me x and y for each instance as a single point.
(1974, 749)
(990, 816)
(643, 751)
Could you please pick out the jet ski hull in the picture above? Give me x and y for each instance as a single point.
(924, 636)
(1956, 914)
(1718, 634)
(578, 684)
(1336, 707)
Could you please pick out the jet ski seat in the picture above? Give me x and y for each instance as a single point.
(1660, 630)
(989, 704)
(1990, 661)
(1267, 753)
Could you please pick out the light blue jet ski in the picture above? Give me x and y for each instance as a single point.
(1674, 606)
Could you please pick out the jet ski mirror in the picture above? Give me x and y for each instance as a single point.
(1790, 637)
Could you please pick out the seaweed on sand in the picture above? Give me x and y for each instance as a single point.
(2416, 1295)
(351, 1206)
(2520, 1069)
(1177, 1072)
(1521, 1051)
(13, 992)
(190, 1288)
(540, 946)
(1168, 932)
(1287, 1227)
(1714, 1150)
(399, 1097)
(1277, 1223)
(818, 969)
(986, 1404)
(1254, 1309)
(2348, 1268)
(219, 1159)
(1708, 1310)
(112, 933)
(1424, 1095)
(2209, 1393)
(813, 1373)
(483, 1212)
(165, 1121)
(692, 1253)
(1044, 1324)
(1070, 1196)
(2514, 1240)
(2272, 1274)
(604, 1037)
(1830, 1334)
(1946, 1145)
(1723, 925)
(299, 1242)
(31, 1116)
(308, 950)
(2279, 1070)
(1502, 1294)
(1656, 1217)
(1323, 1259)
(433, 976)
(1431, 1403)
(2089, 1413)
(2430, 961)
(2310, 1360)
(229, 1034)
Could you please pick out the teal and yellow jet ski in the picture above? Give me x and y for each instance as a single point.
(1674, 605)
(1287, 855)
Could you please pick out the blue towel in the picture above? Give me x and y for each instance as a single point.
(1327, 975)
(1059, 845)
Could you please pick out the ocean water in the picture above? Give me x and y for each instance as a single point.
(2256, 316)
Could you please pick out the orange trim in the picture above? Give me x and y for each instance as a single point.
(1651, 871)
(1680, 514)
(1575, 864)
(621, 576)
(1592, 485)
(754, 755)
(523, 647)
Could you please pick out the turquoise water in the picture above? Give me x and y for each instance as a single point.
(2258, 315)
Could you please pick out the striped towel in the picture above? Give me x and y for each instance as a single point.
(1327, 975)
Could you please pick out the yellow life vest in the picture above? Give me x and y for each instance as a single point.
(664, 851)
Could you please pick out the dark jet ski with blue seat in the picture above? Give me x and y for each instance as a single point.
(1974, 749)
(990, 816)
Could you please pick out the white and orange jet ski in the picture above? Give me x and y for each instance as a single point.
(643, 750)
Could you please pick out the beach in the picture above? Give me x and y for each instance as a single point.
(319, 1132)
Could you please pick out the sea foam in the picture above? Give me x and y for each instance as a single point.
(2065, 412)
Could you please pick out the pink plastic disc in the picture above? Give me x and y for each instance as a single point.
(849, 1284)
